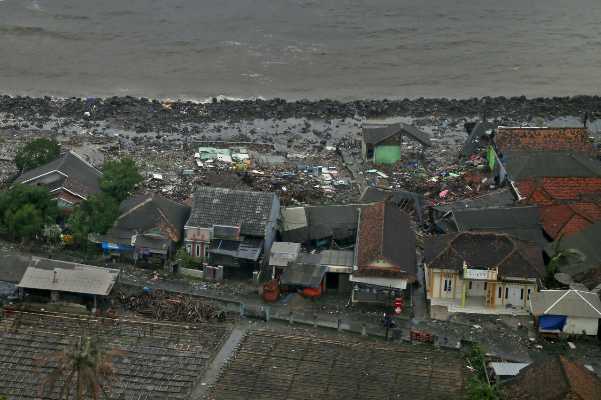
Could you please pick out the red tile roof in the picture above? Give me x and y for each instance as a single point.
(555, 378)
(543, 139)
(567, 205)
(385, 243)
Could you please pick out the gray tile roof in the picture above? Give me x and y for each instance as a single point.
(147, 211)
(64, 276)
(500, 197)
(514, 258)
(541, 164)
(81, 177)
(521, 222)
(376, 133)
(13, 266)
(217, 206)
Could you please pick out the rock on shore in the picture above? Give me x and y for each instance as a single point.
(152, 115)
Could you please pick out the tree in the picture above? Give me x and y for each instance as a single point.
(24, 210)
(95, 215)
(185, 259)
(25, 223)
(83, 370)
(478, 387)
(37, 152)
(120, 178)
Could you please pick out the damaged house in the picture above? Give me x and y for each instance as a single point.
(231, 228)
(70, 179)
(551, 168)
(381, 142)
(520, 222)
(148, 228)
(585, 265)
(481, 273)
(320, 226)
(385, 258)
(565, 186)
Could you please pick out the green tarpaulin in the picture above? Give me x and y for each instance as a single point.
(490, 157)
(387, 154)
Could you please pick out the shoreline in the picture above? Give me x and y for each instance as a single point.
(157, 112)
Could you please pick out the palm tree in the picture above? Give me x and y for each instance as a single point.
(84, 368)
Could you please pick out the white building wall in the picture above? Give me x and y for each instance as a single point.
(576, 326)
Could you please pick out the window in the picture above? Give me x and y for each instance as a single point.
(485, 285)
(506, 292)
(447, 285)
(189, 249)
(470, 285)
(500, 292)
(197, 250)
(528, 294)
(521, 294)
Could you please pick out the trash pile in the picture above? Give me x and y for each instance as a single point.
(162, 306)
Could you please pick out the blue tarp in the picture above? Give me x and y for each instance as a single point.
(107, 246)
(552, 322)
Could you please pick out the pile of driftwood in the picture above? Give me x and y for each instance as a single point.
(173, 307)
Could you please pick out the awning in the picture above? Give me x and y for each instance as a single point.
(303, 275)
(552, 322)
(381, 282)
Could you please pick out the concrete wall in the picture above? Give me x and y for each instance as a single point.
(576, 326)
(436, 283)
(514, 293)
(194, 273)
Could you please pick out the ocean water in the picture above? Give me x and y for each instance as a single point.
(345, 49)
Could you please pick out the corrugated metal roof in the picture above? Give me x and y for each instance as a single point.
(573, 303)
(283, 252)
(63, 276)
(337, 257)
(507, 368)
(303, 275)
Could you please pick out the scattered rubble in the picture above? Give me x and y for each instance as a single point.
(160, 306)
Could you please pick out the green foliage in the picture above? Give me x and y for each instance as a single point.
(185, 260)
(37, 152)
(120, 178)
(52, 233)
(478, 387)
(95, 215)
(25, 210)
(478, 390)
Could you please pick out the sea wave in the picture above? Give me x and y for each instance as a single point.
(19, 30)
